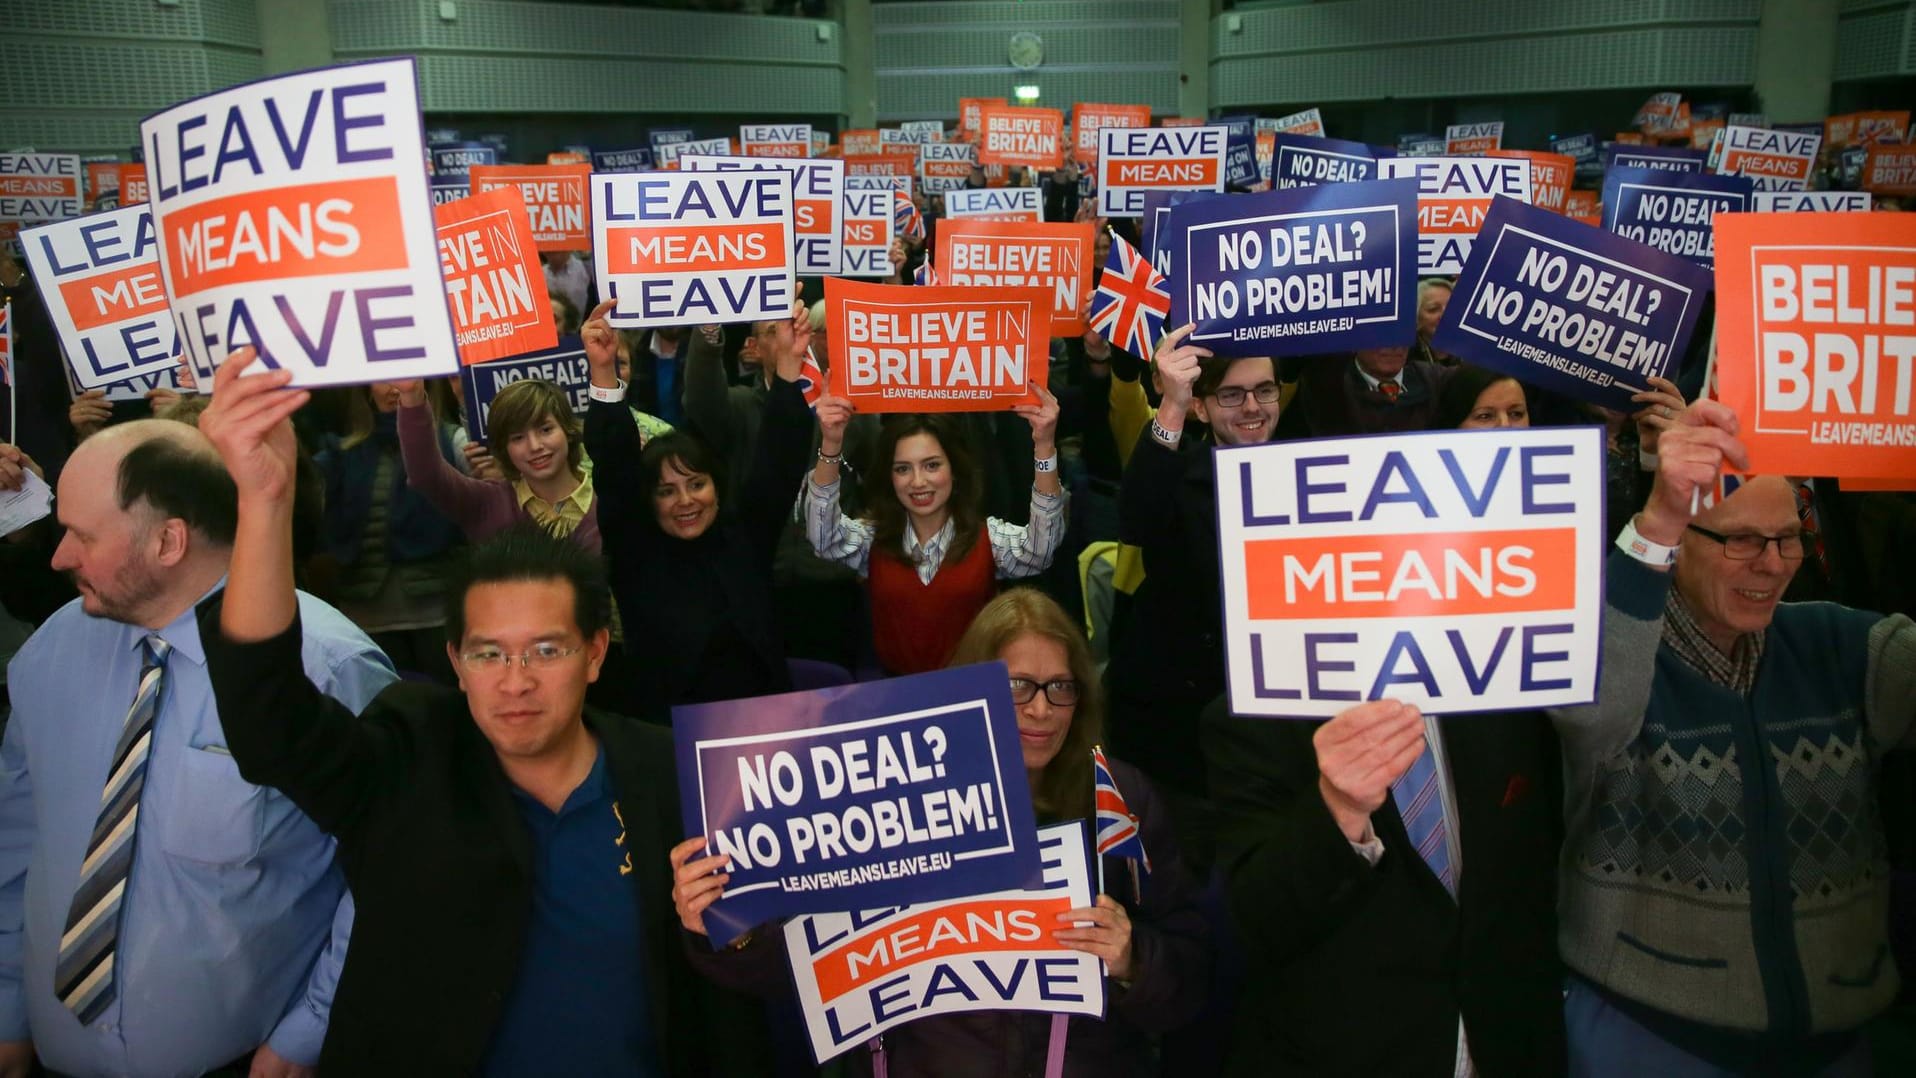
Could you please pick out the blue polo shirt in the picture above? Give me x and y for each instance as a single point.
(579, 1007)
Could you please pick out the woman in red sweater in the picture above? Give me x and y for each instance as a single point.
(930, 558)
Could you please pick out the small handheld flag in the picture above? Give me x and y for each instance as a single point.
(906, 219)
(1132, 301)
(1118, 833)
(925, 275)
(811, 381)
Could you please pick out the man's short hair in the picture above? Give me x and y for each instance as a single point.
(527, 552)
(178, 479)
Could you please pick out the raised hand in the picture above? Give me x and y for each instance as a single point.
(249, 422)
(601, 346)
(800, 345)
(834, 415)
(1662, 404)
(1360, 753)
(1043, 417)
(1690, 457)
(412, 393)
(1178, 365)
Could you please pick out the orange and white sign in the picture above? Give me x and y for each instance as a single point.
(500, 306)
(40, 186)
(868, 227)
(555, 198)
(1585, 206)
(316, 246)
(1550, 176)
(895, 169)
(1473, 140)
(101, 177)
(971, 115)
(818, 201)
(775, 140)
(567, 157)
(1659, 114)
(1774, 160)
(1133, 163)
(906, 348)
(859, 143)
(1816, 341)
(995, 204)
(132, 183)
(1308, 122)
(691, 248)
(945, 166)
(1458, 571)
(1088, 120)
(1629, 138)
(1890, 169)
(1703, 133)
(1453, 195)
(995, 254)
(1183, 121)
(1864, 128)
(99, 276)
(1031, 137)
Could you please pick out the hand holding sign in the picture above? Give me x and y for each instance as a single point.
(1662, 403)
(601, 346)
(89, 412)
(1178, 367)
(14, 466)
(1690, 457)
(1108, 936)
(834, 415)
(1043, 418)
(696, 883)
(249, 423)
(1360, 753)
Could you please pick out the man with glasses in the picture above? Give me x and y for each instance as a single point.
(505, 844)
(1724, 882)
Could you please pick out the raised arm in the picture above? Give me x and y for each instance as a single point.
(834, 536)
(611, 434)
(460, 497)
(1147, 514)
(708, 396)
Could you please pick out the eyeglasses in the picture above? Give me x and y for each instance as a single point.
(1749, 546)
(1233, 396)
(1062, 692)
(536, 657)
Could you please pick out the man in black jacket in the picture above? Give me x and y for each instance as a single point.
(506, 847)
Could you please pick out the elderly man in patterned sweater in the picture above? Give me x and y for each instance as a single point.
(1724, 883)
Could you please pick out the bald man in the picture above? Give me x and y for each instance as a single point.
(158, 915)
(1724, 885)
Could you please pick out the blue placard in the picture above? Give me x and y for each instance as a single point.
(1616, 155)
(1157, 207)
(564, 366)
(667, 136)
(455, 161)
(1584, 150)
(1570, 308)
(1308, 161)
(449, 191)
(859, 797)
(1671, 211)
(638, 159)
(1240, 149)
(1421, 145)
(1298, 272)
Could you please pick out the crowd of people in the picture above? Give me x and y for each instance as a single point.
(341, 741)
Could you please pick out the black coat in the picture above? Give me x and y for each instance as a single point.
(440, 864)
(1355, 970)
(1333, 400)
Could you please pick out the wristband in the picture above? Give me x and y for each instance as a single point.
(1045, 464)
(1643, 550)
(831, 458)
(609, 396)
(1168, 438)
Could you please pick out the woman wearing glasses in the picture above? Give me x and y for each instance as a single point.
(1154, 941)
(930, 557)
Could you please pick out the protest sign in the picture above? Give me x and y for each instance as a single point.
(911, 348)
(999, 254)
(1704, 133)
(858, 797)
(1471, 140)
(1266, 151)
(453, 191)
(99, 277)
(818, 209)
(1012, 135)
(1307, 161)
(1453, 194)
(1309, 270)
(859, 974)
(945, 166)
(1583, 150)
(1776, 159)
(1570, 308)
(134, 388)
(1240, 149)
(996, 204)
(1308, 122)
(555, 197)
(775, 140)
(1862, 128)
(893, 171)
(1816, 341)
(1133, 162)
(1088, 120)
(971, 112)
(564, 365)
(1550, 176)
(1584, 206)
(102, 180)
(292, 215)
(40, 186)
(1671, 211)
(497, 288)
(868, 229)
(693, 247)
(1666, 158)
(1811, 202)
(892, 139)
(716, 147)
(1658, 113)
(455, 162)
(1420, 146)
(133, 186)
(668, 136)
(1459, 571)
(932, 130)
(1151, 230)
(569, 157)
(860, 143)
(1889, 170)
(637, 159)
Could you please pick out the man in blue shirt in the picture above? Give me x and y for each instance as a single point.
(222, 923)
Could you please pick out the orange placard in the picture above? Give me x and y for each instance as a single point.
(1816, 341)
(775, 140)
(857, 964)
(494, 283)
(1782, 157)
(1550, 176)
(567, 157)
(1629, 138)
(1003, 254)
(905, 348)
(1010, 135)
(882, 164)
(1088, 120)
(1182, 121)
(132, 183)
(1861, 128)
(1585, 206)
(1890, 169)
(555, 200)
(860, 143)
(1703, 133)
(970, 115)
(114, 296)
(356, 229)
(1284, 577)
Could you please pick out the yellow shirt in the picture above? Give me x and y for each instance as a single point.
(563, 518)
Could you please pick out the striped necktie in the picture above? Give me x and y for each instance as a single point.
(1420, 801)
(83, 976)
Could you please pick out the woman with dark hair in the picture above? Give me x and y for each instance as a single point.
(930, 557)
(1147, 928)
(695, 575)
(1476, 398)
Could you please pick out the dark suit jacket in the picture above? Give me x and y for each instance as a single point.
(440, 864)
(1355, 970)
(1334, 400)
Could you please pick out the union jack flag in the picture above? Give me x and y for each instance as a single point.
(907, 221)
(811, 380)
(1132, 301)
(925, 275)
(1727, 481)
(1117, 827)
(6, 344)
